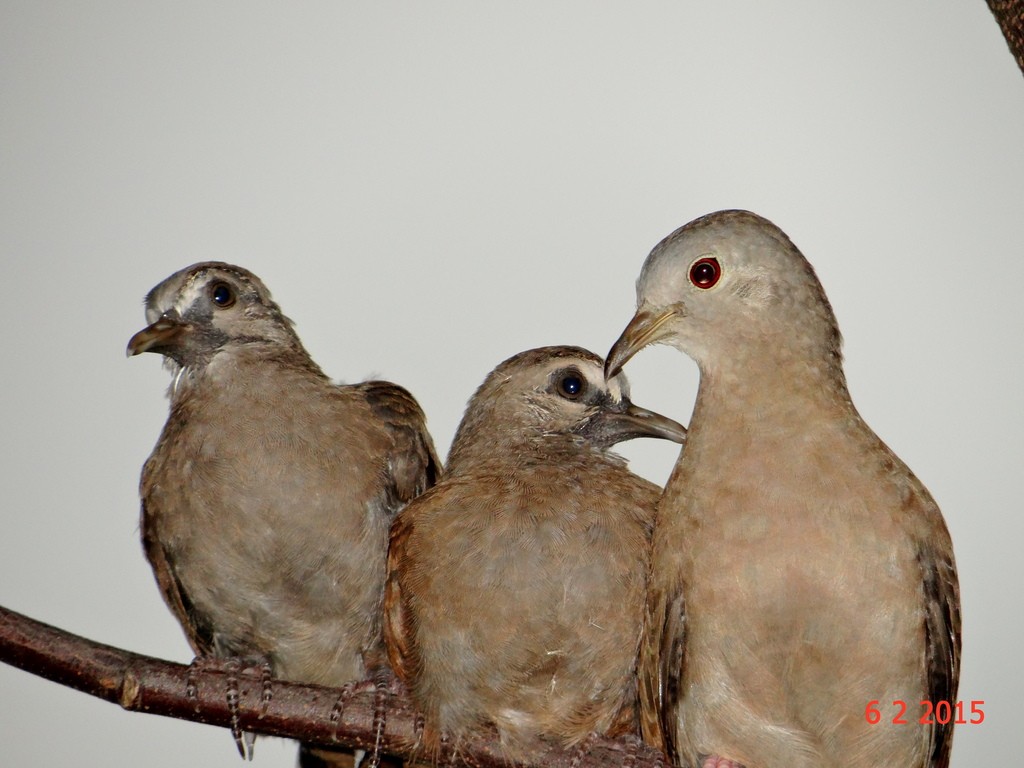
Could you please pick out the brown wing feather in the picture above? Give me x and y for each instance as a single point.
(672, 671)
(942, 641)
(650, 675)
(198, 631)
(399, 633)
(413, 463)
(661, 670)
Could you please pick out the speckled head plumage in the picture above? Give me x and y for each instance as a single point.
(205, 307)
(556, 392)
(535, 525)
(267, 500)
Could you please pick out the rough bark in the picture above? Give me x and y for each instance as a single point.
(1010, 15)
(326, 716)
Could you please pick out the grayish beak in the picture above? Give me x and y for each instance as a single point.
(156, 337)
(613, 426)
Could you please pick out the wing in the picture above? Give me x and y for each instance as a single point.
(942, 627)
(197, 628)
(399, 630)
(649, 673)
(661, 669)
(413, 464)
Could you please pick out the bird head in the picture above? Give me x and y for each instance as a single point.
(728, 285)
(205, 308)
(555, 395)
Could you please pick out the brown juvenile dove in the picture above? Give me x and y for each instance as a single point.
(516, 585)
(267, 501)
(802, 578)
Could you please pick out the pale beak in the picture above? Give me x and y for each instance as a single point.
(645, 328)
(157, 337)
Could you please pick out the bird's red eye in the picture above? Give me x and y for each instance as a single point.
(705, 272)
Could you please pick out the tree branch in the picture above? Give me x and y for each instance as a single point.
(310, 713)
(1010, 15)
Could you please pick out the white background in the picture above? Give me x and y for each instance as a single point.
(430, 188)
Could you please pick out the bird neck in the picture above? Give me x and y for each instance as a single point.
(254, 365)
(772, 392)
(510, 453)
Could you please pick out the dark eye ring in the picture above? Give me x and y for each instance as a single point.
(705, 272)
(223, 295)
(571, 385)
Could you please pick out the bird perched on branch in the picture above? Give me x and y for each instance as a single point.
(267, 501)
(516, 585)
(800, 571)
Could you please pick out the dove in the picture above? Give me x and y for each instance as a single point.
(267, 501)
(516, 585)
(801, 574)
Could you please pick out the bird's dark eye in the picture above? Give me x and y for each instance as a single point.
(223, 295)
(571, 385)
(705, 272)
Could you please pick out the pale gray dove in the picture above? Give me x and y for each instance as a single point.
(800, 571)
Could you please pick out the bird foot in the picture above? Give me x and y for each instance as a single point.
(446, 748)
(266, 682)
(384, 683)
(633, 744)
(579, 752)
(338, 709)
(244, 741)
(230, 668)
(200, 666)
(714, 761)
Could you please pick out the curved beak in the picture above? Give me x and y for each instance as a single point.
(628, 421)
(644, 329)
(156, 337)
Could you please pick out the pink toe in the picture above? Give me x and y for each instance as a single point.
(713, 761)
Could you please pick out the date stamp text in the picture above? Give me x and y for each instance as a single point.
(937, 713)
